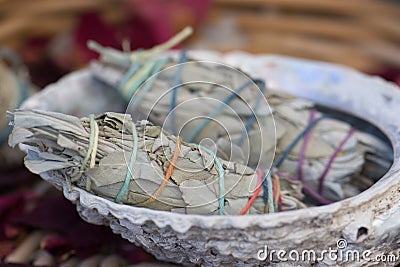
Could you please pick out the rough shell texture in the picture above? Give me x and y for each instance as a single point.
(370, 220)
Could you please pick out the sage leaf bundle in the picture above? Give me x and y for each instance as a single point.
(60, 144)
(329, 157)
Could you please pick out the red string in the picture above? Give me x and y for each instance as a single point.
(275, 187)
(332, 158)
(256, 192)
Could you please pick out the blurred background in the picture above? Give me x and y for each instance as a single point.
(51, 35)
(37, 226)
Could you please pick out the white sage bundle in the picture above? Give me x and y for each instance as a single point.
(143, 165)
(324, 153)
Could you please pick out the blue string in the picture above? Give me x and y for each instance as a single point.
(217, 110)
(252, 118)
(265, 190)
(129, 174)
(296, 140)
(268, 193)
(279, 206)
(176, 84)
(221, 180)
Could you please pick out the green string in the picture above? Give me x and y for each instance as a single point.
(221, 180)
(89, 151)
(128, 176)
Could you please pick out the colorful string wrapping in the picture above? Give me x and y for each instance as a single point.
(221, 179)
(304, 146)
(168, 173)
(256, 193)
(176, 85)
(217, 110)
(92, 139)
(128, 176)
(332, 158)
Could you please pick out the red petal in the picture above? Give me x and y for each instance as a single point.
(6, 247)
(55, 213)
(14, 177)
(52, 241)
(92, 27)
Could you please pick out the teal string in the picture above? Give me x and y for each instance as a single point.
(221, 180)
(268, 191)
(289, 148)
(252, 118)
(131, 71)
(217, 110)
(271, 208)
(146, 87)
(128, 176)
(177, 82)
(131, 90)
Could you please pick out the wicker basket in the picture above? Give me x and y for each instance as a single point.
(361, 34)
(22, 19)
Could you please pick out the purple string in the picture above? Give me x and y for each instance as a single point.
(332, 158)
(304, 147)
(308, 190)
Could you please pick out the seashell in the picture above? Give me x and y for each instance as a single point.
(369, 221)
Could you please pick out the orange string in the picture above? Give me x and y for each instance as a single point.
(256, 192)
(168, 173)
(276, 197)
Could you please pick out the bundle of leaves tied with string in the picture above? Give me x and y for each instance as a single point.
(142, 165)
(331, 159)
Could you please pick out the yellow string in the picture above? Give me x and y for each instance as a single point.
(93, 153)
